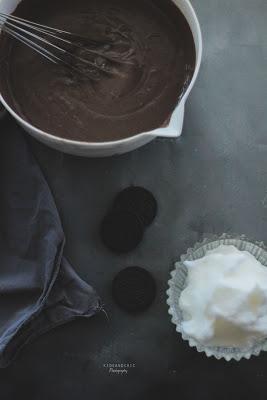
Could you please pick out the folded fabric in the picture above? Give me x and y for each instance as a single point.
(38, 288)
(2, 111)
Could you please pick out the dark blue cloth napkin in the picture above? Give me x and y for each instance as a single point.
(38, 288)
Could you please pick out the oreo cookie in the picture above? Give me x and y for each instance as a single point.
(139, 201)
(134, 289)
(121, 231)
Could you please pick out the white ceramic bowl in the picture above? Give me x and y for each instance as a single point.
(174, 129)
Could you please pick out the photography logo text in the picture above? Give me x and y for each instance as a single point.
(119, 368)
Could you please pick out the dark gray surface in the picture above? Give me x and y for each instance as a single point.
(212, 180)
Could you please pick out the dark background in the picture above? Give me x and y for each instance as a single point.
(212, 180)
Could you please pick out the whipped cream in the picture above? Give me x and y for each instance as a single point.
(225, 300)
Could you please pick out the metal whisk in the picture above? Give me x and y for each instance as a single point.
(62, 47)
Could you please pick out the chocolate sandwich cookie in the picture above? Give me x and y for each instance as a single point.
(121, 231)
(139, 201)
(134, 289)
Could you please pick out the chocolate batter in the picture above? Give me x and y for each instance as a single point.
(134, 97)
